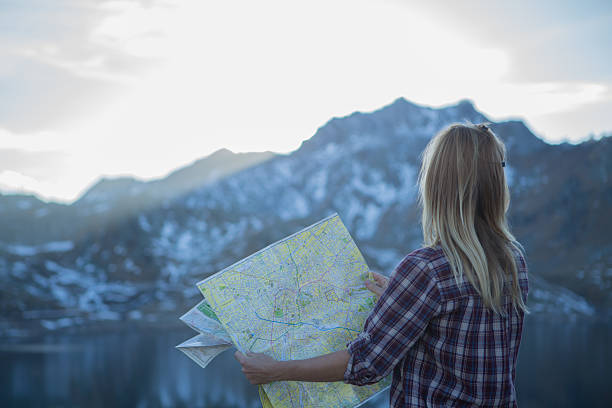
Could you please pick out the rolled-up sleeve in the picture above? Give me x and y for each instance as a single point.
(397, 321)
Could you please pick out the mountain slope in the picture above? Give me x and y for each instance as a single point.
(111, 200)
(363, 166)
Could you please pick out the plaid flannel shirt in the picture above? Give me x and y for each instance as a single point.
(444, 346)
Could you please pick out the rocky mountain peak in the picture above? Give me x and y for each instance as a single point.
(401, 118)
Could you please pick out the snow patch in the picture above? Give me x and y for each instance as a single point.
(317, 184)
(283, 168)
(27, 250)
(551, 298)
(56, 324)
(144, 223)
(129, 265)
(107, 315)
(256, 224)
(24, 204)
(64, 275)
(184, 243)
(135, 315)
(19, 270)
(119, 250)
(378, 190)
(369, 224)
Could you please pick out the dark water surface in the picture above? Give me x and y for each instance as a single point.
(561, 364)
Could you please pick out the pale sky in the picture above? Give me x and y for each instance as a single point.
(137, 87)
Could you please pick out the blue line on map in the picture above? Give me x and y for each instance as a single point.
(303, 323)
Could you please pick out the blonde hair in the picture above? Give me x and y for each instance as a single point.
(464, 197)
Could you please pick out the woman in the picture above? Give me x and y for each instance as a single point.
(448, 321)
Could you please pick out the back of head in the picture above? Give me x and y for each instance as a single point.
(464, 195)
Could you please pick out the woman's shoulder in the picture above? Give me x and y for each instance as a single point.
(426, 253)
(430, 262)
(429, 265)
(428, 259)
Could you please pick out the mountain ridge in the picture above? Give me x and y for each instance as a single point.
(364, 169)
(111, 199)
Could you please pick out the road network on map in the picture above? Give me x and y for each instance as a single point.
(300, 297)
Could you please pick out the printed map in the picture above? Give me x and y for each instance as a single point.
(212, 340)
(300, 297)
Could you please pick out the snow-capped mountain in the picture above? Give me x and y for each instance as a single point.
(364, 167)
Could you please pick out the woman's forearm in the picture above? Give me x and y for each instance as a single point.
(325, 368)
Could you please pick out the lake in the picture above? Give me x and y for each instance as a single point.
(561, 364)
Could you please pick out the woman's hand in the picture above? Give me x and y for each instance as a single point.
(258, 367)
(378, 285)
(262, 369)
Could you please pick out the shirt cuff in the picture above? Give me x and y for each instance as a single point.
(356, 368)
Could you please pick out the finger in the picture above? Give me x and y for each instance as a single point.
(239, 356)
(373, 287)
(255, 381)
(380, 279)
(383, 282)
